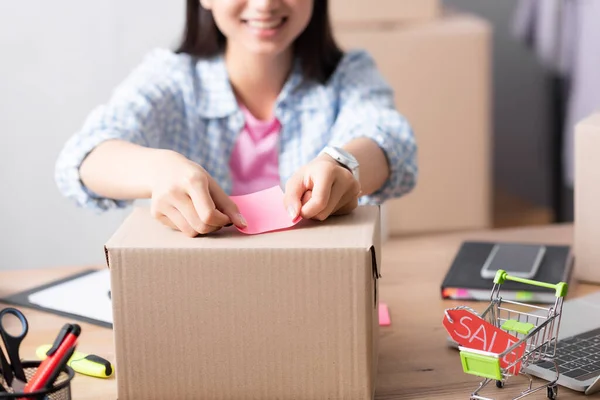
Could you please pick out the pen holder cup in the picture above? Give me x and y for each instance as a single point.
(61, 390)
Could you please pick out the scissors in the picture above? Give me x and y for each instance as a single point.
(12, 345)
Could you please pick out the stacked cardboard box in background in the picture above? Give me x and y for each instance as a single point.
(587, 199)
(360, 11)
(439, 67)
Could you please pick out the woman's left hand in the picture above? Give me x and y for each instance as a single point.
(321, 188)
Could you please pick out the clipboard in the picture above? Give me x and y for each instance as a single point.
(35, 298)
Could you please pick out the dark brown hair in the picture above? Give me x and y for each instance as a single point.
(315, 47)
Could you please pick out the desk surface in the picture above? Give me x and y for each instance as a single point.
(414, 361)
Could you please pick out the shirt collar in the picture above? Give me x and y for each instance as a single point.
(217, 100)
(215, 97)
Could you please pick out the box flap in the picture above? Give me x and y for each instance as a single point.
(357, 230)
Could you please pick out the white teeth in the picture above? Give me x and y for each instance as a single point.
(264, 24)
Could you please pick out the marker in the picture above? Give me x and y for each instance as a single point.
(86, 364)
(58, 355)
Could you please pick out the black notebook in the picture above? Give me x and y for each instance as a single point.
(464, 282)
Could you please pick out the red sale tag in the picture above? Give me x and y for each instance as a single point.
(471, 331)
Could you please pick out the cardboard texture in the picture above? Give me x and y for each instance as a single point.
(440, 72)
(587, 199)
(351, 11)
(285, 315)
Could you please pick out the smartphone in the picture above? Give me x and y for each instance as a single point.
(521, 260)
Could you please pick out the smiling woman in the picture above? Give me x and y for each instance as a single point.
(212, 25)
(267, 28)
(270, 26)
(257, 95)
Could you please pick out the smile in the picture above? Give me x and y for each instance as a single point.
(265, 24)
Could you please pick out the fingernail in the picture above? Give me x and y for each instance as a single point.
(242, 219)
(292, 211)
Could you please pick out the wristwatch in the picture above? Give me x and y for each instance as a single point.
(344, 158)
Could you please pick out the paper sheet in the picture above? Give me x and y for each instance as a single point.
(86, 296)
(264, 211)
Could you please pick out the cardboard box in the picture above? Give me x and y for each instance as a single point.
(440, 72)
(587, 199)
(284, 315)
(352, 11)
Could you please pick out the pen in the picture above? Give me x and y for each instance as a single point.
(59, 367)
(58, 356)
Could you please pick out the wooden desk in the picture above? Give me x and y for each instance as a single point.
(414, 361)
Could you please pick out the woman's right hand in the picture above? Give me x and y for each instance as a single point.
(186, 198)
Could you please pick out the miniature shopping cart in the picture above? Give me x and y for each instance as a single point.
(535, 329)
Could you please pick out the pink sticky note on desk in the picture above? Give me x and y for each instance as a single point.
(264, 211)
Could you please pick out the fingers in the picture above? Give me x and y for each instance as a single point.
(182, 216)
(306, 196)
(294, 193)
(321, 192)
(337, 192)
(166, 221)
(204, 205)
(349, 200)
(228, 208)
(342, 196)
(189, 207)
(186, 197)
(177, 220)
(346, 208)
(186, 208)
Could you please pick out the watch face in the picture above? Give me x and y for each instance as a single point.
(350, 159)
(343, 157)
(345, 153)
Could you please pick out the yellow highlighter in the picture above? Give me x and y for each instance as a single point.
(86, 364)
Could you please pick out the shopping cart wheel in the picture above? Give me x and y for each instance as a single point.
(499, 384)
(552, 392)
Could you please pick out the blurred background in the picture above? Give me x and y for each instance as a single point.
(488, 91)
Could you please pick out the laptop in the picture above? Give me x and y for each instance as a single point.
(578, 347)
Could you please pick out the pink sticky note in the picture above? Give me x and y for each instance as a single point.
(264, 211)
(384, 315)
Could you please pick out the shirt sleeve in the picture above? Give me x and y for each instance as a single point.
(367, 110)
(138, 111)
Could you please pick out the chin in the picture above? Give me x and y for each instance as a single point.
(266, 49)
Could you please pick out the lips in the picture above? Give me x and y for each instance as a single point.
(265, 23)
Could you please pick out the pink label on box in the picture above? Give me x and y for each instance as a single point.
(384, 315)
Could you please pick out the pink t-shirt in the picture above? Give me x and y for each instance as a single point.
(254, 161)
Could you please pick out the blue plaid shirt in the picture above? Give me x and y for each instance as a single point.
(176, 102)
